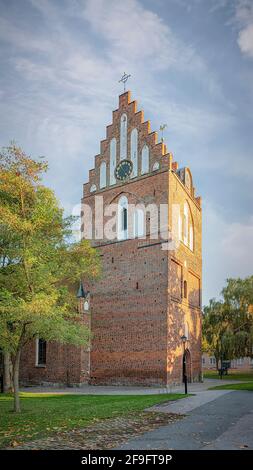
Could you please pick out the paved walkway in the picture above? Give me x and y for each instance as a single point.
(185, 405)
(224, 422)
(127, 390)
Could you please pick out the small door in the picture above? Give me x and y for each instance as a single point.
(187, 365)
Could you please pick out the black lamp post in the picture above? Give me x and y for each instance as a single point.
(184, 339)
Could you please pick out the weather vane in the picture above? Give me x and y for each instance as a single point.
(162, 128)
(124, 79)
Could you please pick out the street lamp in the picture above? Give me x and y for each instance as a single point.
(184, 339)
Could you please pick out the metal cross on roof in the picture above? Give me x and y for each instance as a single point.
(124, 79)
(162, 128)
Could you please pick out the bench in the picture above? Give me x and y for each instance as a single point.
(224, 368)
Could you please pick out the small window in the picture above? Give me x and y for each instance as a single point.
(124, 219)
(134, 152)
(86, 305)
(138, 223)
(145, 160)
(185, 289)
(179, 227)
(41, 352)
(102, 175)
(203, 361)
(93, 188)
(156, 166)
(113, 144)
(191, 238)
(123, 137)
(186, 221)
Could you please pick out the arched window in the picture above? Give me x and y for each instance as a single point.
(186, 222)
(139, 221)
(123, 218)
(134, 152)
(145, 160)
(179, 226)
(188, 232)
(112, 160)
(93, 188)
(156, 166)
(123, 137)
(191, 238)
(185, 289)
(188, 180)
(102, 175)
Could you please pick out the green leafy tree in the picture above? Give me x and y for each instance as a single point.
(214, 326)
(39, 262)
(228, 324)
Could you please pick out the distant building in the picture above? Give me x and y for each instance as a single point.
(209, 362)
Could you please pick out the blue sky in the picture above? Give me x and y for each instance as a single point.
(191, 63)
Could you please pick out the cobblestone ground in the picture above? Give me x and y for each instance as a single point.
(106, 434)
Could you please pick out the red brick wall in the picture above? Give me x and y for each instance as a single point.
(63, 365)
(129, 321)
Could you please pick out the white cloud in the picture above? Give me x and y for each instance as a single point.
(245, 40)
(22, 39)
(244, 19)
(227, 249)
(68, 89)
(136, 34)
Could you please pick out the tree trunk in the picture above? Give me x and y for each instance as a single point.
(7, 373)
(16, 381)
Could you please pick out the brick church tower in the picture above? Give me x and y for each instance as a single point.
(140, 211)
(149, 294)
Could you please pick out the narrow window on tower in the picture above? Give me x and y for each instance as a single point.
(123, 137)
(112, 160)
(145, 160)
(179, 227)
(134, 152)
(123, 218)
(186, 222)
(41, 352)
(185, 289)
(102, 175)
(191, 238)
(139, 228)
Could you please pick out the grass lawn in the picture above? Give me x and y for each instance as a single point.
(243, 386)
(45, 414)
(232, 375)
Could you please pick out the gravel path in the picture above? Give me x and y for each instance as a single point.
(105, 434)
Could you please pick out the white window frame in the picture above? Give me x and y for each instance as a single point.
(145, 160)
(186, 222)
(134, 152)
(191, 239)
(102, 175)
(123, 137)
(113, 146)
(122, 204)
(139, 223)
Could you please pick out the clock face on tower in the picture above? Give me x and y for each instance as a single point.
(123, 170)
